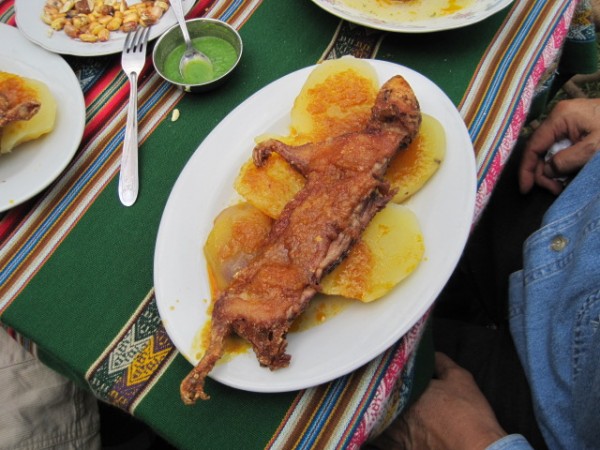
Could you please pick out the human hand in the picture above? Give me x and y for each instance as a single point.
(577, 120)
(452, 414)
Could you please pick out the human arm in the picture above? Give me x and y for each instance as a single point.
(452, 414)
(577, 120)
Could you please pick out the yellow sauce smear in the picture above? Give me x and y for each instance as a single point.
(408, 10)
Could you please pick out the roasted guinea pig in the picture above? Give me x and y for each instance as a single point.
(27, 110)
(17, 100)
(344, 189)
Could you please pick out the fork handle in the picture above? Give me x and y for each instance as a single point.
(128, 178)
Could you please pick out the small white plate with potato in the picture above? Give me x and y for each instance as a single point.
(353, 332)
(29, 15)
(31, 166)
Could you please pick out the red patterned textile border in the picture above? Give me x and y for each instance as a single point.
(526, 46)
(344, 413)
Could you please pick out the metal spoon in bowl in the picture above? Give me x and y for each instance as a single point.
(191, 54)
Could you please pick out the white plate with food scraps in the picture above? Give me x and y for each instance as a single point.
(359, 332)
(29, 20)
(32, 166)
(413, 16)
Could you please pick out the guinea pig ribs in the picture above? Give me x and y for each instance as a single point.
(344, 189)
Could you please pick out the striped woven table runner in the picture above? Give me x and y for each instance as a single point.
(116, 343)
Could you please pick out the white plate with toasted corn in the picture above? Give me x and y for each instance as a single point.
(65, 26)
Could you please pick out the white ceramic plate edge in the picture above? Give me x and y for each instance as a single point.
(28, 17)
(481, 10)
(32, 166)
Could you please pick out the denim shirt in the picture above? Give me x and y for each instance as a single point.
(555, 316)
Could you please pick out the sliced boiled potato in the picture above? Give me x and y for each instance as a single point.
(414, 166)
(238, 233)
(336, 98)
(390, 249)
(270, 187)
(42, 122)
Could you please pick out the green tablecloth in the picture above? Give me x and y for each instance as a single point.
(76, 267)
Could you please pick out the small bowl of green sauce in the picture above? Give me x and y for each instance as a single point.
(216, 39)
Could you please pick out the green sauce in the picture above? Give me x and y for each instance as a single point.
(221, 53)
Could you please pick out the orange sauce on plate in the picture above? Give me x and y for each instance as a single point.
(407, 10)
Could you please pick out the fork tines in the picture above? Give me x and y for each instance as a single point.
(135, 38)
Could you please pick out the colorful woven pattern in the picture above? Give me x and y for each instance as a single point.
(76, 267)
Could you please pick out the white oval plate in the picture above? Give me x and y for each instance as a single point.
(478, 11)
(360, 332)
(29, 13)
(32, 166)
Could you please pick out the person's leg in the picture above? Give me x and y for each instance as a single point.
(40, 408)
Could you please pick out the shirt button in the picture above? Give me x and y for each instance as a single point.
(558, 243)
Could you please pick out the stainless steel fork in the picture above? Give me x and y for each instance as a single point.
(132, 62)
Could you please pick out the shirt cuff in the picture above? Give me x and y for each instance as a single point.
(511, 442)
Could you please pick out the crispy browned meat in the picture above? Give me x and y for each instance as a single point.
(344, 190)
(17, 101)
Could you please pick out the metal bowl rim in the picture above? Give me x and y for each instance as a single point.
(188, 87)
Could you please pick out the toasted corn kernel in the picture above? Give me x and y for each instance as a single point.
(114, 24)
(87, 37)
(50, 10)
(128, 26)
(84, 6)
(131, 17)
(147, 19)
(162, 5)
(71, 31)
(104, 35)
(58, 24)
(68, 5)
(96, 28)
(156, 12)
(106, 10)
(104, 20)
(80, 21)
